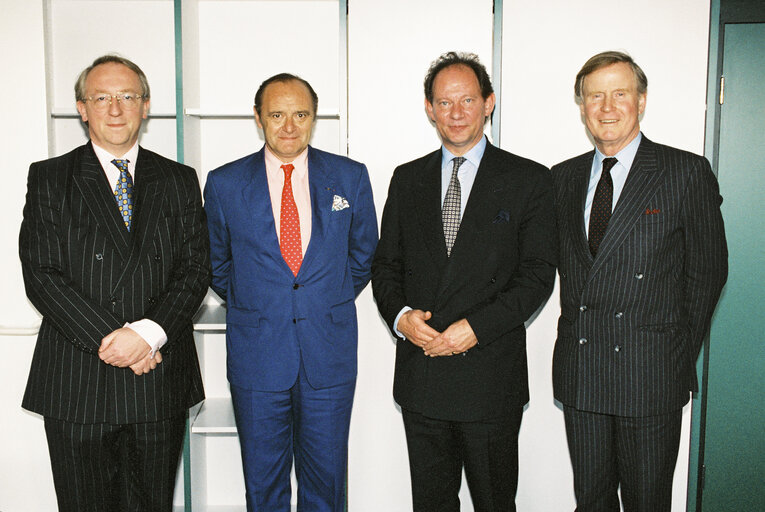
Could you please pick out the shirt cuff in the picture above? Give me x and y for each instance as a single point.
(398, 317)
(151, 332)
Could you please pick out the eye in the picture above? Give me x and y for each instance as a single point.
(468, 100)
(128, 97)
(101, 98)
(276, 115)
(443, 103)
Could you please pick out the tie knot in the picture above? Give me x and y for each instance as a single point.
(288, 168)
(121, 164)
(458, 161)
(608, 164)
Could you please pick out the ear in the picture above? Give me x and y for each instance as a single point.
(488, 105)
(429, 109)
(146, 109)
(257, 117)
(641, 102)
(82, 111)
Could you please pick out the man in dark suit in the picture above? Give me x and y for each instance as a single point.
(117, 268)
(643, 259)
(467, 253)
(293, 231)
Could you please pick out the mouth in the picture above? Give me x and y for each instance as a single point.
(609, 121)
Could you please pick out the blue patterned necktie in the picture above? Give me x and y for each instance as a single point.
(123, 191)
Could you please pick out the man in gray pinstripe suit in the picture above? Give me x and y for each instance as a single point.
(643, 261)
(117, 268)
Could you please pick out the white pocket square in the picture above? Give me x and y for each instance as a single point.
(339, 203)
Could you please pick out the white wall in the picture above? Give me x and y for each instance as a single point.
(390, 46)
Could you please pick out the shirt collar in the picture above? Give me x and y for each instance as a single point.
(105, 158)
(625, 157)
(473, 156)
(274, 165)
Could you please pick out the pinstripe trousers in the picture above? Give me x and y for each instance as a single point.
(637, 454)
(102, 467)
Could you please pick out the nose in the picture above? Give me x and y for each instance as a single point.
(115, 107)
(607, 105)
(289, 124)
(457, 111)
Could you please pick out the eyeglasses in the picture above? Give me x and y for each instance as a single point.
(127, 100)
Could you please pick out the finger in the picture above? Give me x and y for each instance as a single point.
(158, 357)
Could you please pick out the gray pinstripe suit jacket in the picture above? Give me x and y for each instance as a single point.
(633, 319)
(87, 276)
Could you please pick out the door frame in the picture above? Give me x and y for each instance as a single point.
(722, 12)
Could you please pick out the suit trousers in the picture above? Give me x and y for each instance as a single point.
(487, 449)
(98, 467)
(307, 424)
(639, 454)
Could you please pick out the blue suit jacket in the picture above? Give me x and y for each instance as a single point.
(275, 318)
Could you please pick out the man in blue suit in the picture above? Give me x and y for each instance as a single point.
(292, 232)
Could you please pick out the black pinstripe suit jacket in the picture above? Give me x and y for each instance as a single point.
(633, 319)
(87, 276)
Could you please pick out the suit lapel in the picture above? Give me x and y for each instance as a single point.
(427, 199)
(575, 208)
(643, 178)
(90, 179)
(322, 189)
(256, 199)
(482, 205)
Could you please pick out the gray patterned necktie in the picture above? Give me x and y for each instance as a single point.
(450, 214)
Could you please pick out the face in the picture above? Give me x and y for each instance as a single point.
(114, 129)
(611, 106)
(458, 109)
(287, 118)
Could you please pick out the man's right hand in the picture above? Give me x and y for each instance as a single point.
(147, 364)
(412, 325)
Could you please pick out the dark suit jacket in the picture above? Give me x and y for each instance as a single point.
(87, 276)
(501, 269)
(633, 319)
(276, 320)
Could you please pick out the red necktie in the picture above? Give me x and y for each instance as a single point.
(289, 224)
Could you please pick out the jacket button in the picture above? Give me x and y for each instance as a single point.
(99, 256)
(582, 308)
(493, 280)
(295, 286)
(617, 348)
(619, 314)
(157, 257)
(639, 275)
(294, 320)
(152, 300)
(582, 341)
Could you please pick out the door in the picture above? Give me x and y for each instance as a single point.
(734, 452)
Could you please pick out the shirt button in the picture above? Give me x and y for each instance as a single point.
(582, 341)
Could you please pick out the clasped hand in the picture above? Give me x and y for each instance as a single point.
(126, 348)
(456, 339)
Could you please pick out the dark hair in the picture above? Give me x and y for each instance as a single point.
(604, 59)
(284, 77)
(469, 60)
(79, 85)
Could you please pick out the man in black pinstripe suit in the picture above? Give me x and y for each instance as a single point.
(117, 282)
(643, 261)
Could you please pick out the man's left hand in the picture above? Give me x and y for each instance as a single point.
(456, 339)
(123, 347)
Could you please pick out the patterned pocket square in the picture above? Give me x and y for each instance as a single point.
(502, 216)
(339, 203)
